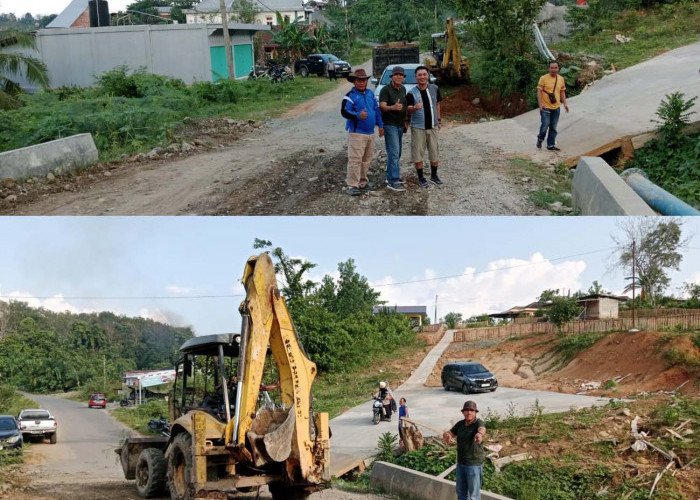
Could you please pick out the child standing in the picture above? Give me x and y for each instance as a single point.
(403, 412)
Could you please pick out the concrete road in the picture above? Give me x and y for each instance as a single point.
(623, 103)
(87, 438)
(355, 436)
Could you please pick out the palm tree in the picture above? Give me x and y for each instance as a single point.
(292, 38)
(13, 64)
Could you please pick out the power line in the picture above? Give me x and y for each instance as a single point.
(168, 297)
(473, 273)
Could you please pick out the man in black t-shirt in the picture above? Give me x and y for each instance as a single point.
(470, 434)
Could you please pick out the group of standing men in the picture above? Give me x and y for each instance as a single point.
(393, 113)
(396, 110)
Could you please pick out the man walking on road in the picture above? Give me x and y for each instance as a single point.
(330, 67)
(424, 108)
(361, 110)
(551, 94)
(470, 434)
(392, 104)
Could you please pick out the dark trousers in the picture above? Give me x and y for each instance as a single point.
(331, 75)
(549, 120)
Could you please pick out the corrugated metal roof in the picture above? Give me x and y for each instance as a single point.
(66, 18)
(401, 309)
(264, 6)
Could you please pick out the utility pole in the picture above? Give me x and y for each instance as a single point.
(104, 373)
(436, 309)
(227, 39)
(634, 260)
(347, 29)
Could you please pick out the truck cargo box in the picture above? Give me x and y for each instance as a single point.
(393, 53)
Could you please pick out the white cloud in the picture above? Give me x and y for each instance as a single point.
(505, 283)
(178, 290)
(56, 303)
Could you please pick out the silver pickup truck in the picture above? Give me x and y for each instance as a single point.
(38, 422)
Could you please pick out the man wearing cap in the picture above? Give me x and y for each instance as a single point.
(470, 434)
(361, 110)
(392, 104)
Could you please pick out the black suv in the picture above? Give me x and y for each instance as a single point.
(468, 377)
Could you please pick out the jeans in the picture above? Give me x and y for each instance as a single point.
(392, 140)
(550, 119)
(469, 481)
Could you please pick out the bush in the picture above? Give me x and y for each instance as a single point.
(137, 84)
(223, 91)
(673, 161)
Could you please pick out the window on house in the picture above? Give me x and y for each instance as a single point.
(269, 21)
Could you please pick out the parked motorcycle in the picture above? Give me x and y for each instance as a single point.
(260, 72)
(377, 410)
(159, 426)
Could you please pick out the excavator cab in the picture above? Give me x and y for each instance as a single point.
(446, 62)
(228, 433)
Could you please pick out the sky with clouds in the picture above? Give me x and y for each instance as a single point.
(186, 271)
(47, 7)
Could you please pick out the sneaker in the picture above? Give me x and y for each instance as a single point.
(353, 191)
(368, 187)
(395, 186)
(422, 182)
(553, 148)
(436, 180)
(539, 144)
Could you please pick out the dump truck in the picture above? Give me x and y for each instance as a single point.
(393, 53)
(228, 434)
(447, 62)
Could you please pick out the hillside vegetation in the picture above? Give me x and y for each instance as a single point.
(43, 351)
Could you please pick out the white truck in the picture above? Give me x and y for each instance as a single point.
(38, 422)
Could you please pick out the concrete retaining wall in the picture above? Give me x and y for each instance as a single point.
(60, 156)
(599, 190)
(408, 484)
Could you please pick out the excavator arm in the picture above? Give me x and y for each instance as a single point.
(269, 323)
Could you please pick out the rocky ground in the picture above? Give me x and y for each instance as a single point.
(292, 165)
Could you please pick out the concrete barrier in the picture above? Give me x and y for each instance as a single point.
(60, 156)
(409, 484)
(599, 190)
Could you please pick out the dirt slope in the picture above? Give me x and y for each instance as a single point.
(530, 363)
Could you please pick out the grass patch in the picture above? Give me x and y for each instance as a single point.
(571, 459)
(337, 392)
(359, 54)
(653, 32)
(12, 402)
(137, 417)
(569, 346)
(550, 184)
(134, 112)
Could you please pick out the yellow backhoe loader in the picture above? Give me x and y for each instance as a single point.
(227, 433)
(446, 62)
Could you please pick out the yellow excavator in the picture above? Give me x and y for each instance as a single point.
(446, 62)
(228, 434)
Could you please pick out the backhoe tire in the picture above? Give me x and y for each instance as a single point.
(180, 468)
(282, 491)
(151, 470)
(304, 71)
(53, 438)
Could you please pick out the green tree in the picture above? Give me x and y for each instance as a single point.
(293, 39)
(595, 288)
(451, 319)
(655, 251)
(245, 10)
(562, 310)
(295, 286)
(354, 295)
(14, 65)
(503, 30)
(548, 295)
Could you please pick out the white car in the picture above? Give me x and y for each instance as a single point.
(409, 82)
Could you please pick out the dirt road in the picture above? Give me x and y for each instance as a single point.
(83, 465)
(293, 165)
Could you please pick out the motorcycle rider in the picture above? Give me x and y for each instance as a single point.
(387, 397)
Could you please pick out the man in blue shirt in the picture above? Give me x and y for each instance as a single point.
(361, 110)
